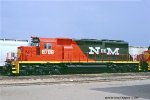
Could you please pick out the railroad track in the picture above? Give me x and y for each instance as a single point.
(76, 78)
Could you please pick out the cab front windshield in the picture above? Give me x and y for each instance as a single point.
(35, 42)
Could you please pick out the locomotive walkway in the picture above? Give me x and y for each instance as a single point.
(75, 78)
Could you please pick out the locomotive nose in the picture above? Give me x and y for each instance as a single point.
(18, 53)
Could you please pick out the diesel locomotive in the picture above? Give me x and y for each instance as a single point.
(64, 55)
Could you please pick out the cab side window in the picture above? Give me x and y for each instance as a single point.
(47, 46)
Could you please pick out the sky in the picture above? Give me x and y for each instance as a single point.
(127, 20)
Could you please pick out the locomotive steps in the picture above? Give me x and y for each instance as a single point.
(76, 78)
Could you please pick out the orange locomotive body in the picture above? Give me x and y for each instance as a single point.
(51, 49)
(64, 55)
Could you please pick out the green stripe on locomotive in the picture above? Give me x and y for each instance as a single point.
(104, 49)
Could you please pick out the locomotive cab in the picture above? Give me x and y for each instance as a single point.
(39, 48)
(26, 52)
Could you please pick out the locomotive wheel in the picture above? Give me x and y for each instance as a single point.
(114, 68)
(124, 69)
(23, 70)
(145, 67)
(128, 67)
(31, 70)
(50, 69)
(7, 70)
(56, 69)
(109, 69)
(38, 70)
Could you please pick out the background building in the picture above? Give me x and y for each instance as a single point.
(8, 49)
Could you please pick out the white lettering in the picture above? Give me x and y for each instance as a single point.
(110, 52)
(45, 51)
(50, 51)
(92, 50)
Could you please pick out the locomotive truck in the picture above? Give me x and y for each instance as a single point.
(64, 55)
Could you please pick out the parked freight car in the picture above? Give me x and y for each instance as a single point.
(64, 55)
(8, 50)
(136, 51)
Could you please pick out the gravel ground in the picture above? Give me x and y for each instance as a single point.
(76, 78)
